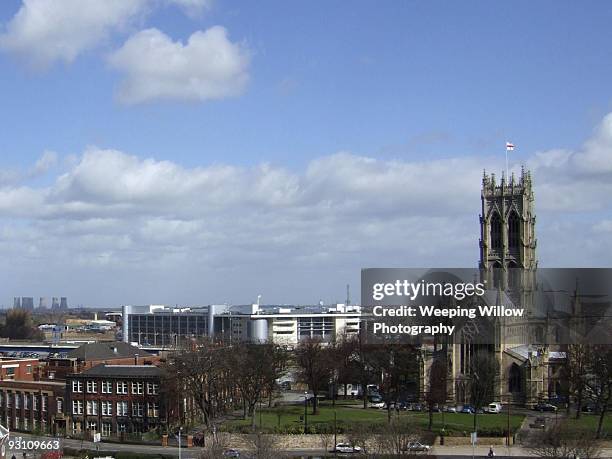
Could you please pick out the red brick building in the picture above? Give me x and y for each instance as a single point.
(19, 369)
(31, 406)
(114, 399)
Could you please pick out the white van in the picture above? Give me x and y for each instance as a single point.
(494, 408)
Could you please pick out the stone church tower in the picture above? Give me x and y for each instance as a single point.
(507, 231)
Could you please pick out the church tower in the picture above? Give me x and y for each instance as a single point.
(507, 230)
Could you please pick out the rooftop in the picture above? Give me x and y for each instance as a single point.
(123, 370)
(110, 350)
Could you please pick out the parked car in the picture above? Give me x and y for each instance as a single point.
(417, 407)
(375, 398)
(450, 409)
(539, 423)
(467, 409)
(415, 446)
(346, 448)
(231, 452)
(379, 405)
(494, 408)
(545, 407)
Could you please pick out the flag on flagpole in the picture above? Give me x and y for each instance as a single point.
(509, 146)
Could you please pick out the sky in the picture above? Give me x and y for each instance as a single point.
(207, 151)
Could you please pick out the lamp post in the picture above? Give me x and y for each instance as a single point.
(179, 441)
(305, 413)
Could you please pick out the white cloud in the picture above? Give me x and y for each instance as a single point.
(208, 66)
(45, 31)
(45, 163)
(227, 233)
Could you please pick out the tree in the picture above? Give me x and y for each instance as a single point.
(255, 368)
(599, 381)
(201, 370)
(483, 372)
(395, 437)
(576, 371)
(398, 367)
(315, 367)
(436, 390)
(18, 325)
(564, 442)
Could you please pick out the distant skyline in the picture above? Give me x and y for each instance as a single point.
(206, 151)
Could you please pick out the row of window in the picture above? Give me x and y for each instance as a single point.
(27, 401)
(106, 427)
(121, 387)
(24, 424)
(106, 408)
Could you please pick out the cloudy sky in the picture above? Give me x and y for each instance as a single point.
(198, 151)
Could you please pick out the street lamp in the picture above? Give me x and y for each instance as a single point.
(179, 441)
(305, 413)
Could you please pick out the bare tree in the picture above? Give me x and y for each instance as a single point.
(483, 372)
(436, 390)
(576, 370)
(254, 368)
(264, 446)
(215, 447)
(200, 369)
(395, 437)
(564, 442)
(599, 381)
(314, 363)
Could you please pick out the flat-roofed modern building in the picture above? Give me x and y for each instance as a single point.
(158, 325)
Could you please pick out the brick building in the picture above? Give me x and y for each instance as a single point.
(114, 400)
(31, 406)
(19, 369)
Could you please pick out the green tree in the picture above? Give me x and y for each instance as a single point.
(18, 325)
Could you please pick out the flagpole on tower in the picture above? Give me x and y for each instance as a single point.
(509, 147)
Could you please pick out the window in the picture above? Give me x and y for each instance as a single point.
(60, 405)
(514, 231)
(92, 425)
(9, 396)
(44, 399)
(77, 407)
(29, 369)
(107, 387)
(496, 232)
(122, 387)
(92, 387)
(153, 410)
(122, 409)
(137, 409)
(35, 402)
(17, 400)
(10, 371)
(107, 408)
(137, 388)
(26, 401)
(76, 426)
(77, 386)
(1, 398)
(107, 429)
(25, 423)
(152, 388)
(92, 407)
(121, 427)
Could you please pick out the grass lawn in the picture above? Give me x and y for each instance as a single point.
(290, 419)
(589, 422)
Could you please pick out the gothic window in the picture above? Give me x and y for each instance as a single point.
(514, 275)
(496, 232)
(514, 231)
(514, 380)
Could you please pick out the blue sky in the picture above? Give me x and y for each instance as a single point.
(419, 84)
